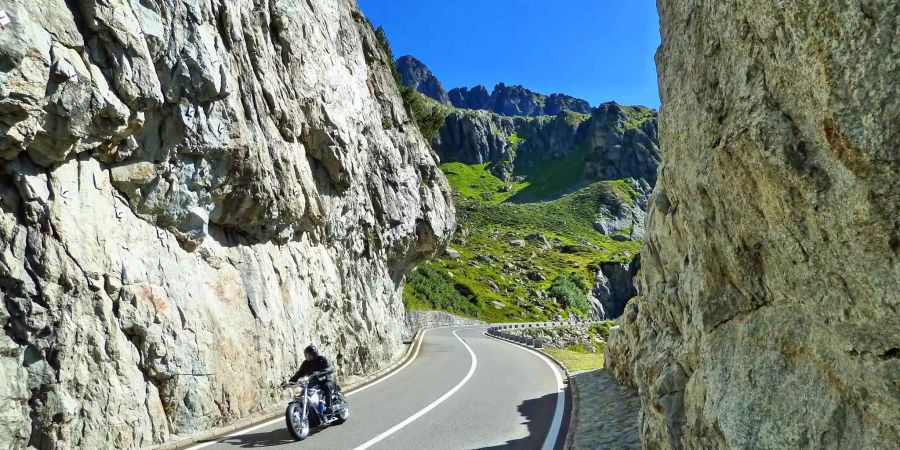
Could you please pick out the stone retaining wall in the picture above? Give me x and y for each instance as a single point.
(416, 320)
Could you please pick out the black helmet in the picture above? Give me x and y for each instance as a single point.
(312, 350)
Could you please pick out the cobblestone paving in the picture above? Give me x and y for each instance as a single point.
(607, 413)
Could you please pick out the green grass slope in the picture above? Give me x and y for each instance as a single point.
(499, 275)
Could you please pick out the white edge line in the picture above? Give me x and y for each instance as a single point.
(431, 406)
(553, 433)
(361, 388)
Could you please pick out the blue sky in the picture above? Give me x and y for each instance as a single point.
(598, 50)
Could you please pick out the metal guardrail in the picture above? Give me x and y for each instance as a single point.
(498, 330)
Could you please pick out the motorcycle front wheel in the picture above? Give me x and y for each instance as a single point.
(296, 423)
(344, 413)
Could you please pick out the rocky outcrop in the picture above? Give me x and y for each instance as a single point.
(620, 215)
(613, 287)
(616, 141)
(416, 75)
(771, 269)
(516, 101)
(475, 137)
(623, 142)
(190, 193)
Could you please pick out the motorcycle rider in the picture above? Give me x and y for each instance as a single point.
(319, 371)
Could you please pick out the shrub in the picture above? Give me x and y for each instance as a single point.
(431, 288)
(570, 292)
(601, 330)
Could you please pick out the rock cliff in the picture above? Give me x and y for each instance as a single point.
(613, 142)
(418, 76)
(516, 101)
(191, 192)
(768, 314)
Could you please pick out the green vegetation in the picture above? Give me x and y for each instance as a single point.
(506, 277)
(515, 139)
(574, 118)
(550, 177)
(428, 289)
(516, 260)
(428, 114)
(569, 292)
(575, 361)
(637, 116)
(476, 183)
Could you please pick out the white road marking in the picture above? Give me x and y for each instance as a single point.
(433, 404)
(416, 354)
(553, 434)
(281, 419)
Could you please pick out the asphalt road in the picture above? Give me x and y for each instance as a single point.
(463, 390)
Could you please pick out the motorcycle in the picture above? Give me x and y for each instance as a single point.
(307, 409)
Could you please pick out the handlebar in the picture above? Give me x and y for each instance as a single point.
(302, 381)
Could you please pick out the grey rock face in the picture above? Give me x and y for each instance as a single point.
(621, 145)
(623, 218)
(516, 101)
(771, 269)
(616, 141)
(474, 98)
(190, 194)
(418, 76)
(613, 288)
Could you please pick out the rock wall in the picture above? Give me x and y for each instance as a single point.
(771, 269)
(618, 141)
(191, 192)
(419, 320)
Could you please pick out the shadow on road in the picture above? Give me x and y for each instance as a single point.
(537, 411)
(272, 438)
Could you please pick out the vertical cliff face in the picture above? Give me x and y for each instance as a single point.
(191, 193)
(613, 142)
(770, 275)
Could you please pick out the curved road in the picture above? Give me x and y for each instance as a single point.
(463, 390)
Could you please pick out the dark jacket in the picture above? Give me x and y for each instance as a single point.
(320, 364)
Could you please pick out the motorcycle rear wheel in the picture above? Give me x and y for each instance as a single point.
(296, 423)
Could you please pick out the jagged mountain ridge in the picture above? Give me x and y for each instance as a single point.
(609, 142)
(514, 100)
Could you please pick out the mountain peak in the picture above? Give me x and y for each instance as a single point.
(418, 76)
